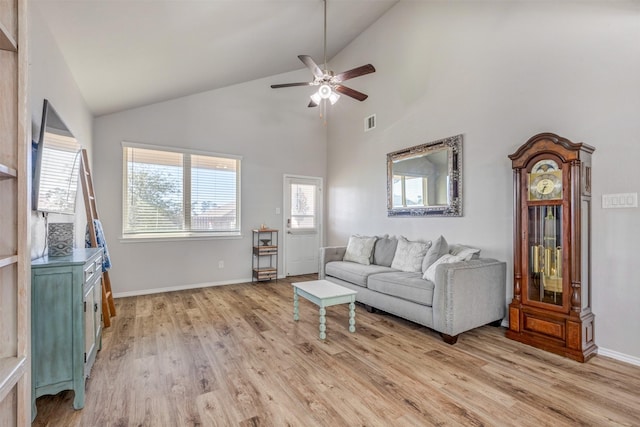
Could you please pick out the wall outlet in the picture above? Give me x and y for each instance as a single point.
(220, 264)
(277, 211)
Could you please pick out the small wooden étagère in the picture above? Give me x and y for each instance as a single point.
(551, 306)
(265, 254)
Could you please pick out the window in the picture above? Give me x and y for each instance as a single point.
(170, 192)
(303, 206)
(409, 191)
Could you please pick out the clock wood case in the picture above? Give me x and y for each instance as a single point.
(551, 305)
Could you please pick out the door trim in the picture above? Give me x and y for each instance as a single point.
(284, 214)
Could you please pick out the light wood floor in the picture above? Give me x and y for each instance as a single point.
(232, 356)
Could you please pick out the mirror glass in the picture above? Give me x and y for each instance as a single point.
(426, 180)
(56, 165)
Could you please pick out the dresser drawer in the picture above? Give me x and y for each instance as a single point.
(89, 272)
(92, 269)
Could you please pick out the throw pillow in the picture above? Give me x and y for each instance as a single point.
(438, 248)
(409, 255)
(465, 252)
(359, 249)
(384, 250)
(430, 274)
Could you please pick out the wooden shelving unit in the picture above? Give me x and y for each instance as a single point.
(6, 172)
(265, 254)
(6, 260)
(15, 147)
(7, 41)
(11, 369)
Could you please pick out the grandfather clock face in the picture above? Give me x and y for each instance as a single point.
(545, 181)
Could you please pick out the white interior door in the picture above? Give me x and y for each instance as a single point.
(303, 224)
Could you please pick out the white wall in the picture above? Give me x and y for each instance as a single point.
(498, 73)
(50, 78)
(273, 130)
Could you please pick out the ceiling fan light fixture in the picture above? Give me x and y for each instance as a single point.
(316, 98)
(325, 91)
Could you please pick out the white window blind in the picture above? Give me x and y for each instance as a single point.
(177, 193)
(213, 193)
(303, 206)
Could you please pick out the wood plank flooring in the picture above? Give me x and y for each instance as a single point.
(232, 356)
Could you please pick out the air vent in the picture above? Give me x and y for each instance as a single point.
(369, 122)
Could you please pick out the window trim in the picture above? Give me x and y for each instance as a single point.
(184, 235)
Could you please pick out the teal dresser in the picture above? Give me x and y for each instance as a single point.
(66, 322)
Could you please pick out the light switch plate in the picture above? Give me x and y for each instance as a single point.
(620, 200)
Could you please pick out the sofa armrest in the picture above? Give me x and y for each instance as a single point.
(468, 294)
(328, 254)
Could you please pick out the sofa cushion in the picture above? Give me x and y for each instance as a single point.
(353, 272)
(430, 274)
(359, 249)
(466, 252)
(384, 250)
(438, 248)
(409, 255)
(402, 284)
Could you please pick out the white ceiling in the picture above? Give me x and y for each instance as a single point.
(128, 53)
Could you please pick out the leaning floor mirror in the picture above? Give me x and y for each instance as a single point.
(426, 180)
(56, 165)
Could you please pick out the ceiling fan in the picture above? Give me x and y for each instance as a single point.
(330, 84)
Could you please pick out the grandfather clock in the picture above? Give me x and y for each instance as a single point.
(551, 306)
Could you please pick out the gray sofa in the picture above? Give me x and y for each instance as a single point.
(463, 295)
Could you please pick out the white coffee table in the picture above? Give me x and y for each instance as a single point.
(325, 294)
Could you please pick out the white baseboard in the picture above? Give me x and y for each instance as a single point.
(178, 288)
(183, 287)
(619, 356)
(602, 351)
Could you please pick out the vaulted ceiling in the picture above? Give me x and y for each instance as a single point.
(128, 53)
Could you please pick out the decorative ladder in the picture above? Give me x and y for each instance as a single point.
(108, 307)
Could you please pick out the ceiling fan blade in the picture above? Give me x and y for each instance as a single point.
(311, 64)
(356, 72)
(351, 92)
(291, 85)
(312, 104)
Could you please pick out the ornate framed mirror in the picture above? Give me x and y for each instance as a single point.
(426, 180)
